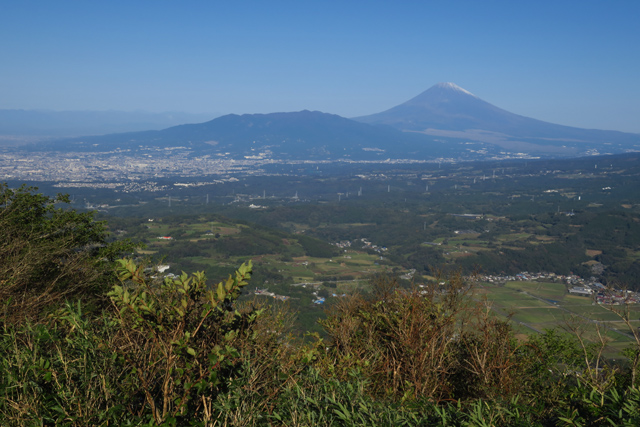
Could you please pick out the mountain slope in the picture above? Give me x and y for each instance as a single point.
(447, 107)
(299, 135)
(444, 121)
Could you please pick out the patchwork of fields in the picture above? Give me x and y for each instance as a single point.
(536, 306)
(283, 263)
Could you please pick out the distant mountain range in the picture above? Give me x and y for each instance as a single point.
(46, 123)
(444, 121)
(297, 135)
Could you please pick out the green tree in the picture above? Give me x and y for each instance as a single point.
(49, 254)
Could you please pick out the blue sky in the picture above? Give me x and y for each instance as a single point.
(569, 62)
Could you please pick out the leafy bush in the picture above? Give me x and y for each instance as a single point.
(177, 340)
(49, 254)
(61, 373)
(424, 343)
(164, 355)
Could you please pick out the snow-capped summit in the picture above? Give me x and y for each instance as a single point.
(442, 106)
(452, 86)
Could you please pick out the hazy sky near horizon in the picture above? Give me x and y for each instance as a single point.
(569, 62)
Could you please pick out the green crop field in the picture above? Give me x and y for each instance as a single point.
(541, 305)
(540, 316)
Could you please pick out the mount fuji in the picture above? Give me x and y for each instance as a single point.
(447, 110)
(445, 121)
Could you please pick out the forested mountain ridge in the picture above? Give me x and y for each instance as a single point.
(295, 135)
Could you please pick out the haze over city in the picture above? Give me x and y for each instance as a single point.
(573, 63)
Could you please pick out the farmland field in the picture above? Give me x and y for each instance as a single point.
(298, 253)
(536, 306)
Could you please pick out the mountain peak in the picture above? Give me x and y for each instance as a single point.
(448, 109)
(451, 86)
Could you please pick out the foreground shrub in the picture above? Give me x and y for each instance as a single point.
(49, 254)
(587, 406)
(163, 355)
(181, 353)
(430, 342)
(61, 373)
(178, 340)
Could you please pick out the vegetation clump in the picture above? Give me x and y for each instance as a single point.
(49, 254)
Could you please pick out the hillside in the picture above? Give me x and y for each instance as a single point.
(444, 121)
(446, 109)
(297, 135)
